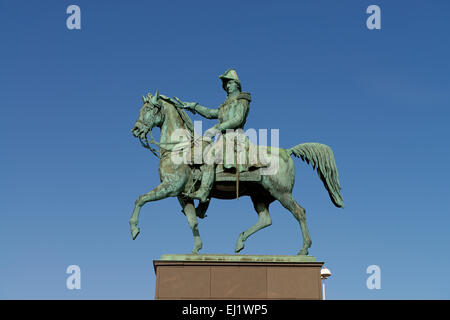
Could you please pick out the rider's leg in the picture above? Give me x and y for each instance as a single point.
(207, 181)
(208, 169)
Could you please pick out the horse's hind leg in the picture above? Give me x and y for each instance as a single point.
(189, 211)
(262, 208)
(288, 201)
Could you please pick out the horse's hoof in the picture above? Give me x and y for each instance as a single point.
(197, 248)
(135, 232)
(303, 252)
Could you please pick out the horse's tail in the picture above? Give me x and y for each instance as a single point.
(322, 157)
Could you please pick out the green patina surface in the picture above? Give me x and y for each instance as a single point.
(180, 179)
(236, 258)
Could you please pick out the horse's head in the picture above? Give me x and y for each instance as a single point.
(150, 116)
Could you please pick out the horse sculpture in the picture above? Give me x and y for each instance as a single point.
(176, 178)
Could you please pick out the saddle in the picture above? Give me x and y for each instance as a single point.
(222, 175)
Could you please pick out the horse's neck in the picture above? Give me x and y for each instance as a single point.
(172, 123)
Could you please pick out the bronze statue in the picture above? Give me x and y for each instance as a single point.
(179, 178)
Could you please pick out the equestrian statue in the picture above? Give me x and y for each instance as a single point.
(196, 167)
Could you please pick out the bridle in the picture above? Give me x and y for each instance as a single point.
(146, 143)
(148, 129)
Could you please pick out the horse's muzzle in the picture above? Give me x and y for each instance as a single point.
(139, 131)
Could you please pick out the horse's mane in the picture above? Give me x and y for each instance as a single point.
(184, 116)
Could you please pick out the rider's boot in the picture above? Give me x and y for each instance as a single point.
(207, 181)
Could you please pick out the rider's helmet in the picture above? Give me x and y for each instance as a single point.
(228, 75)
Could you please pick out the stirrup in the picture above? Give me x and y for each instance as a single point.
(201, 194)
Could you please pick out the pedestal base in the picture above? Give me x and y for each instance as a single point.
(237, 277)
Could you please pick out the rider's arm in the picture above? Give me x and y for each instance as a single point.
(206, 112)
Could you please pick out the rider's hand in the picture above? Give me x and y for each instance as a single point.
(184, 105)
(189, 105)
(211, 132)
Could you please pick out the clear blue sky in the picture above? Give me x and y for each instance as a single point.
(71, 170)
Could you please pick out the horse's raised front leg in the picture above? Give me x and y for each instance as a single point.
(164, 190)
(190, 212)
(264, 220)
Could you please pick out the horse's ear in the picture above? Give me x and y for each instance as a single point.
(144, 99)
(155, 99)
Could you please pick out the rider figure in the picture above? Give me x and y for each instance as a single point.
(232, 115)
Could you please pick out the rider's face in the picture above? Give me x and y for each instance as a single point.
(232, 86)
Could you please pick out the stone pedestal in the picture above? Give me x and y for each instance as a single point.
(237, 277)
